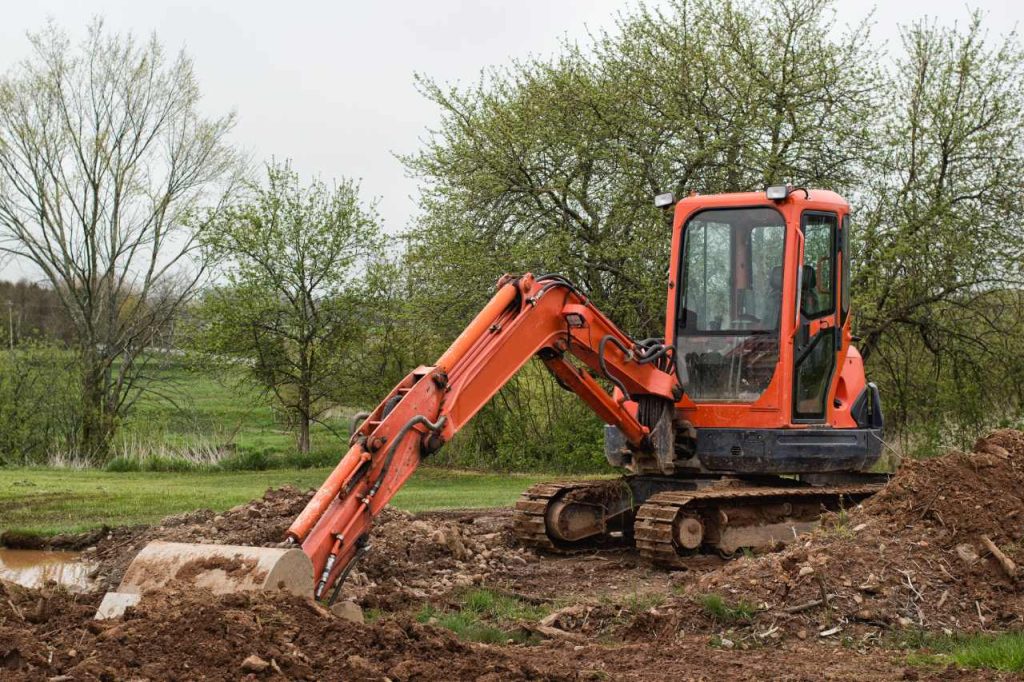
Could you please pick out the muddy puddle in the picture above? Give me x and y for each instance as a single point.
(36, 568)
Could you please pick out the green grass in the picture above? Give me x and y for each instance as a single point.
(209, 409)
(1004, 652)
(483, 615)
(721, 610)
(50, 501)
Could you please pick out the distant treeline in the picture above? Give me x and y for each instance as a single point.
(30, 311)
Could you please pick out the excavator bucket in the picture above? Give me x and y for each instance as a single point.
(221, 569)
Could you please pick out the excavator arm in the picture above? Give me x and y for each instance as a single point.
(545, 317)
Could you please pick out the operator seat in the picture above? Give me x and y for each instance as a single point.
(809, 294)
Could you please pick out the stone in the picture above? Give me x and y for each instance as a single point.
(254, 664)
(350, 611)
(967, 553)
(114, 604)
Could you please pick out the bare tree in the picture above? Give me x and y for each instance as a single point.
(108, 175)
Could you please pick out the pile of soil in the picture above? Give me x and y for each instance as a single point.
(49, 634)
(412, 558)
(260, 523)
(912, 556)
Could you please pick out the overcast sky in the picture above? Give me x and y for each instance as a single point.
(329, 84)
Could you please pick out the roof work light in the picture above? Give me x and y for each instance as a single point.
(664, 200)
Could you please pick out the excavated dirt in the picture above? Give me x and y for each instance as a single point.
(913, 556)
(833, 606)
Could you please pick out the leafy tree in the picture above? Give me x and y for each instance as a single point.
(551, 165)
(105, 163)
(291, 310)
(941, 239)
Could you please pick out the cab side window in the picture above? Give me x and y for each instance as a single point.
(817, 282)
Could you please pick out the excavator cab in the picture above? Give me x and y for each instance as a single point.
(759, 306)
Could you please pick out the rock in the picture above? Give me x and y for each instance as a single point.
(114, 604)
(727, 643)
(871, 585)
(361, 666)
(350, 611)
(967, 553)
(254, 664)
(455, 544)
(801, 634)
(805, 570)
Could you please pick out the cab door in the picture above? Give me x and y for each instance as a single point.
(814, 355)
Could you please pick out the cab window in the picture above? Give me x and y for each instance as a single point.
(817, 281)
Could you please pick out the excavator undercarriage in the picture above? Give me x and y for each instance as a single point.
(669, 519)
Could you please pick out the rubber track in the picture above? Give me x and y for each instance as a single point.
(529, 518)
(654, 519)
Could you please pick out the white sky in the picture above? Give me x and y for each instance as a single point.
(329, 84)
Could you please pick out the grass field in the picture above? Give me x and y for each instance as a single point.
(50, 501)
(199, 408)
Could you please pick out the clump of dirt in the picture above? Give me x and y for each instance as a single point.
(414, 558)
(913, 556)
(187, 635)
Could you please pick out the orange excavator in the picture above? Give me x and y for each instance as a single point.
(737, 429)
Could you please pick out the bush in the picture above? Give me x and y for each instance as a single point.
(249, 459)
(39, 406)
(531, 425)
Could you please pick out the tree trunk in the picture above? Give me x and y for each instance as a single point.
(304, 412)
(98, 424)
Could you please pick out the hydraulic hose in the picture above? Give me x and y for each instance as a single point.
(390, 455)
(604, 367)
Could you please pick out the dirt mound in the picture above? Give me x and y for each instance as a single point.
(262, 522)
(412, 558)
(172, 636)
(915, 555)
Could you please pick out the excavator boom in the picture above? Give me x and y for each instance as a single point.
(545, 317)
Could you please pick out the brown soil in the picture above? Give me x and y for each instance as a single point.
(911, 558)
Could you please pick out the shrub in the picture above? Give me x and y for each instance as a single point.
(39, 407)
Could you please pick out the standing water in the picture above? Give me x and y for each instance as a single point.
(35, 568)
